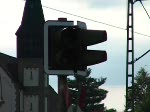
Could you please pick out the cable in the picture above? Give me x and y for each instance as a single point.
(145, 9)
(93, 20)
(141, 56)
(84, 18)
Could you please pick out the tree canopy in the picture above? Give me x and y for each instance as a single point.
(86, 93)
(142, 91)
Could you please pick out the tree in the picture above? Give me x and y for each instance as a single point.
(86, 92)
(142, 91)
(111, 110)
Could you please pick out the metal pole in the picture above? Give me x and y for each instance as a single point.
(62, 82)
(130, 57)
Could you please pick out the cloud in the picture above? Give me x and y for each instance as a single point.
(105, 3)
(53, 82)
(115, 97)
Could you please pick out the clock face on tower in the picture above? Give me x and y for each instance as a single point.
(7, 93)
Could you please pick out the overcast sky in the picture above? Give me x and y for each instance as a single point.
(110, 12)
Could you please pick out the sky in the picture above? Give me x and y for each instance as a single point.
(110, 12)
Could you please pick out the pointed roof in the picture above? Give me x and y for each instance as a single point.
(33, 18)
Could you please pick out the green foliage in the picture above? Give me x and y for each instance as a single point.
(142, 91)
(111, 110)
(94, 95)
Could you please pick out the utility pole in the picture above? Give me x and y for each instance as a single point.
(130, 58)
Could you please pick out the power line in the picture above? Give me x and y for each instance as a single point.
(84, 18)
(141, 56)
(144, 9)
(93, 20)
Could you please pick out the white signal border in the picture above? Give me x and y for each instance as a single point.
(46, 59)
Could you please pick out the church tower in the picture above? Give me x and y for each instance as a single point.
(30, 49)
(30, 33)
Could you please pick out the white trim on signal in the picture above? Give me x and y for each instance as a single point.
(46, 67)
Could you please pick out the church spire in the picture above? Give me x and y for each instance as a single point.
(30, 33)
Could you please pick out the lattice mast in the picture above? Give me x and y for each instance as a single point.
(130, 58)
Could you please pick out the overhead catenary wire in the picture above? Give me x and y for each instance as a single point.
(145, 9)
(141, 56)
(114, 26)
(84, 18)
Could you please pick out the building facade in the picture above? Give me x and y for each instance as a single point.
(24, 86)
